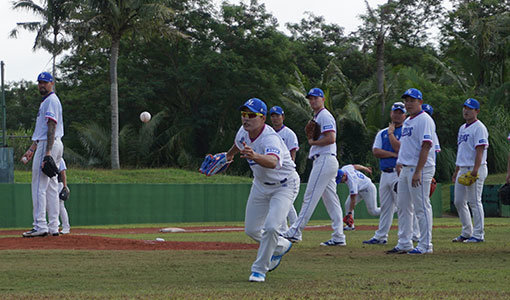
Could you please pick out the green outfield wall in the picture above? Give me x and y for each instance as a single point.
(492, 207)
(104, 204)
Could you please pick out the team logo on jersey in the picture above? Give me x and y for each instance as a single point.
(326, 127)
(407, 131)
(272, 150)
(482, 141)
(50, 114)
(462, 138)
(426, 137)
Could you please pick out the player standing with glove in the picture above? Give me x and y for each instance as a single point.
(46, 150)
(275, 186)
(470, 173)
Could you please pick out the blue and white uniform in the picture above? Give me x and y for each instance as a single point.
(45, 189)
(291, 141)
(321, 183)
(272, 193)
(359, 184)
(415, 200)
(471, 136)
(64, 217)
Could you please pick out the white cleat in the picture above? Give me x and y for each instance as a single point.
(257, 277)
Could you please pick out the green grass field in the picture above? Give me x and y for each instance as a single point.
(308, 271)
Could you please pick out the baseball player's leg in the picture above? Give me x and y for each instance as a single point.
(416, 229)
(334, 209)
(388, 199)
(474, 198)
(271, 243)
(66, 227)
(292, 215)
(405, 209)
(370, 197)
(460, 194)
(317, 182)
(423, 209)
(52, 199)
(257, 207)
(39, 185)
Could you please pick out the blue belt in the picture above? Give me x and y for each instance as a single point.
(275, 183)
(317, 155)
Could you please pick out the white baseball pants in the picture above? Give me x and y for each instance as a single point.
(321, 183)
(64, 217)
(471, 195)
(370, 197)
(45, 189)
(414, 200)
(266, 210)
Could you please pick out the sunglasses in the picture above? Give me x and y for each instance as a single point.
(249, 114)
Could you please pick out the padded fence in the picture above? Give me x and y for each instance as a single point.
(104, 204)
(492, 207)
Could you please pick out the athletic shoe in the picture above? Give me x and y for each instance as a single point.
(276, 259)
(374, 241)
(459, 239)
(34, 233)
(332, 243)
(64, 232)
(417, 251)
(396, 250)
(55, 234)
(473, 240)
(349, 228)
(257, 277)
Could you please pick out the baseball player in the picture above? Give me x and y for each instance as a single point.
(472, 144)
(360, 188)
(62, 184)
(417, 168)
(291, 141)
(275, 186)
(430, 110)
(46, 139)
(508, 166)
(321, 182)
(386, 146)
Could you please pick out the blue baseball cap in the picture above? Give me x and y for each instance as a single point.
(255, 105)
(276, 110)
(413, 93)
(472, 103)
(339, 176)
(315, 92)
(427, 108)
(45, 76)
(399, 105)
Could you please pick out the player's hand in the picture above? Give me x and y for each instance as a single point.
(474, 173)
(416, 181)
(248, 152)
(398, 168)
(369, 170)
(454, 177)
(391, 128)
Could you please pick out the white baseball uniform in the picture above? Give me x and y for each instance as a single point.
(361, 185)
(469, 137)
(321, 183)
(45, 189)
(272, 193)
(291, 141)
(66, 227)
(415, 200)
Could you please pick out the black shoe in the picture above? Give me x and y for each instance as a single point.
(396, 251)
(55, 234)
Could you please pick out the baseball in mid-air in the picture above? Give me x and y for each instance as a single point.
(145, 117)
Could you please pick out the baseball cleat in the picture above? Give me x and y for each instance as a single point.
(473, 240)
(417, 251)
(374, 241)
(64, 232)
(55, 234)
(257, 277)
(332, 243)
(459, 239)
(349, 228)
(276, 259)
(34, 233)
(396, 250)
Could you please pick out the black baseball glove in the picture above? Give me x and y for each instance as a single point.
(64, 193)
(504, 194)
(50, 167)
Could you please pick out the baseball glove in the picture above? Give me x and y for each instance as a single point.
(64, 193)
(312, 130)
(214, 164)
(433, 185)
(467, 179)
(349, 220)
(50, 167)
(504, 194)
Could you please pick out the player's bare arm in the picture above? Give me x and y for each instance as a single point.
(232, 152)
(353, 203)
(293, 154)
(363, 168)
(454, 176)
(395, 143)
(29, 154)
(478, 159)
(52, 127)
(424, 152)
(381, 153)
(267, 161)
(328, 139)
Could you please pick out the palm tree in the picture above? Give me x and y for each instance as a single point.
(116, 19)
(55, 17)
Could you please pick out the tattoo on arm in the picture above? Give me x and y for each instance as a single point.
(52, 125)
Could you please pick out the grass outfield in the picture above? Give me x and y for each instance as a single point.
(357, 271)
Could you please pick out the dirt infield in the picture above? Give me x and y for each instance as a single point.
(88, 239)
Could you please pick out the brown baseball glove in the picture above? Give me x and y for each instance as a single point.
(312, 130)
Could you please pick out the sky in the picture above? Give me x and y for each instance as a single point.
(21, 62)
